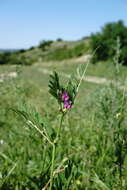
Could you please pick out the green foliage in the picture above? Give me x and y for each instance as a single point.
(21, 50)
(31, 48)
(65, 52)
(54, 86)
(111, 110)
(59, 39)
(4, 58)
(57, 90)
(20, 60)
(16, 58)
(44, 45)
(105, 41)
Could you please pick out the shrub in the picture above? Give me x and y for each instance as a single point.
(45, 44)
(15, 58)
(105, 41)
(21, 50)
(31, 48)
(20, 60)
(59, 40)
(4, 58)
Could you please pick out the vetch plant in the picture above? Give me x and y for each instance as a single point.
(65, 96)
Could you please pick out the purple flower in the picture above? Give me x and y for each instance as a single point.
(67, 105)
(65, 97)
(66, 100)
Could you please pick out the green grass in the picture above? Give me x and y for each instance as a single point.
(100, 69)
(86, 141)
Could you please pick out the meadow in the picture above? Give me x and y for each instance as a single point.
(90, 153)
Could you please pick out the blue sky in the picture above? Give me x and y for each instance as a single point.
(24, 23)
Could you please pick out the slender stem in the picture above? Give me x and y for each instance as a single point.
(54, 151)
(81, 78)
(52, 166)
(84, 72)
(59, 128)
(41, 132)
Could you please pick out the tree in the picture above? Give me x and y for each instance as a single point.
(104, 42)
(45, 44)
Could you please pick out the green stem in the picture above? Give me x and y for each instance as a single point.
(54, 151)
(52, 166)
(59, 128)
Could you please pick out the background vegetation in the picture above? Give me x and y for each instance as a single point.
(104, 41)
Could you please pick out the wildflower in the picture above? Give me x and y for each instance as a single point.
(65, 97)
(67, 105)
(66, 100)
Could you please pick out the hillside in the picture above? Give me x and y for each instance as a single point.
(47, 51)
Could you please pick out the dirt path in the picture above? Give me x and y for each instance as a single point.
(97, 80)
(82, 59)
